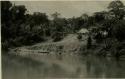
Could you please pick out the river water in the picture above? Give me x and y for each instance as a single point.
(61, 66)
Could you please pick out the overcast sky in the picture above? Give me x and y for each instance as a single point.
(66, 8)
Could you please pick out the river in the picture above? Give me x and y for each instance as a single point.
(61, 66)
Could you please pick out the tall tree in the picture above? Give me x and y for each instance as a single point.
(6, 11)
(55, 15)
(99, 16)
(18, 13)
(85, 16)
(117, 8)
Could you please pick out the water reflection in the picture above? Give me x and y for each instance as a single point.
(61, 66)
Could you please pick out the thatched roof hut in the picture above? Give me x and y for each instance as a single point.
(83, 31)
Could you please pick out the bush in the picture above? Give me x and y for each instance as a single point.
(117, 49)
(98, 37)
(17, 41)
(119, 30)
(30, 39)
(5, 45)
(57, 36)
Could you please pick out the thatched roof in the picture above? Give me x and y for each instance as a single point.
(83, 30)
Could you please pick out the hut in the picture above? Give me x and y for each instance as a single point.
(83, 31)
(83, 34)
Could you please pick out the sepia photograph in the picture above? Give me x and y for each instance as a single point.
(63, 39)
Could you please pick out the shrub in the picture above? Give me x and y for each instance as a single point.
(57, 36)
(5, 45)
(30, 39)
(119, 30)
(98, 38)
(117, 49)
(17, 41)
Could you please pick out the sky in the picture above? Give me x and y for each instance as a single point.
(67, 9)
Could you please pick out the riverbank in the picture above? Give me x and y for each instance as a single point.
(108, 47)
(72, 45)
(69, 45)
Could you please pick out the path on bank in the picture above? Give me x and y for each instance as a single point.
(70, 44)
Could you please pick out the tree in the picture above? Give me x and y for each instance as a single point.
(99, 17)
(85, 16)
(85, 20)
(18, 17)
(55, 15)
(6, 19)
(18, 13)
(119, 30)
(59, 26)
(76, 23)
(6, 11)
(39, 18)
(117, 8)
